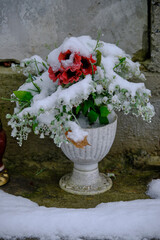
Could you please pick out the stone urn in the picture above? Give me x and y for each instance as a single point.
(85, 178)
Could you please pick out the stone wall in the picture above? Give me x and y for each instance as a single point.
(31, 27)
(155, 36)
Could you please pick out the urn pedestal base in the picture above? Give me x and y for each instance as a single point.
(85, 182)
(85, 178)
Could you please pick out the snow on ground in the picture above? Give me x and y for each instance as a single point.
(154, 189)
(132, 220)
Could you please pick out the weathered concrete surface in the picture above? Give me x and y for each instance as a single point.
(155, 36)
(28, 27)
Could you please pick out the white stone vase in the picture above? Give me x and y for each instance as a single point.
(85, 178)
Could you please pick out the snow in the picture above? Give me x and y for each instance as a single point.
(109, 62)
(31, 63)
(81, 88)
(74, 44)
(154, 189)
(132, 220)
(77, 133)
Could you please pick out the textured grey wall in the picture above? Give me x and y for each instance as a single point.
(26, 26)
(155, 36)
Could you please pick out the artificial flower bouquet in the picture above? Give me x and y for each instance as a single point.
(79, 86)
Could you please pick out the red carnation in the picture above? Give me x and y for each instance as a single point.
(64, 56)
(86, 65)
(76, 61)
(69, 76)
(54, 75)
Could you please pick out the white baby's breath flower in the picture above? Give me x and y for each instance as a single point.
(42, 135)
(98, 101)
(14, 132)
(110, 107)
(115, 99)
(99, 89)
(105, 99)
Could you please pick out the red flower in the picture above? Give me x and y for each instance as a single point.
(54, 75)
(86, 65)
(64, 56)
(69, 76)
(76, 61)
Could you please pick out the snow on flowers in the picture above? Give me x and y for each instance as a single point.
(73, 65)
(82, 79)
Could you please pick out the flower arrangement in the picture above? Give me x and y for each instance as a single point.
(81, 83)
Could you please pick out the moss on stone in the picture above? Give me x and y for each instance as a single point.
(140, 56)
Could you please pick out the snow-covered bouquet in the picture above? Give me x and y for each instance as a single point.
(82, 82)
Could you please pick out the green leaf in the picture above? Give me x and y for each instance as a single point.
(103, 120)
(104, 111)
(23, 96)
(92, 71)
(121, 60)
(27, 62)
(37, 87)
(44, 65)
(91, 104)
(35, 123)
(64, 108)
(92, 116)
(37, 66)
(117, 43)
(34, 84)
(123, 90)
(87, 104)
(40, 171)
(78, 108)
(93, 95)
(85, 107)
(98, 56)
(98, 38)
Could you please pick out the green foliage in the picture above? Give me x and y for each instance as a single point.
(104, 111)
(121, 61)
(40, 171)
(30, 78)
(78, 109)
(98, 56)
(39, 73)
(44, 65)
(123, 90)
(86, 106)
(23, 96)
(103, 120)
(35, 123)
(92, 116)
(98, 44)
(92, 111)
